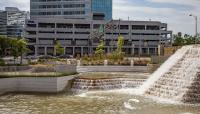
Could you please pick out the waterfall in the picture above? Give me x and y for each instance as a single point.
(88, 84)
(178, 78)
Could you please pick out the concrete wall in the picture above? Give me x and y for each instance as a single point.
(57, 68)
(65, 68)
(34, 84)
(13, 68)
(113, 69)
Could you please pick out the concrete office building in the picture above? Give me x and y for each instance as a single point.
(141, 37)
(12, 22)
(75, 31)
(66, 9)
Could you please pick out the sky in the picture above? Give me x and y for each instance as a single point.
(173, 12)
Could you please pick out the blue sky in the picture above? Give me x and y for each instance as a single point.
(174, 12)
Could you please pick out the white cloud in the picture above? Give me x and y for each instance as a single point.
(21, 4)
(178, 20)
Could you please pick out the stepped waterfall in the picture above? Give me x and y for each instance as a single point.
(178, 79)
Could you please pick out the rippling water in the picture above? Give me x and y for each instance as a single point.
(102, 102)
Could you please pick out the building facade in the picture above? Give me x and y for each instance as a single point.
(66, 9)
(103, 7)
(12, 22)
(74, 23)
(71, 9)
(141, 37)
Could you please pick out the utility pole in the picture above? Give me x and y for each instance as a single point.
(196, 26)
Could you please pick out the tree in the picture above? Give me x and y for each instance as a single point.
(59, 49)
(22, 48)
(100, 50)
(14, 48)
(120, 44)
(4, 45)
(178, 41)
(186, 40)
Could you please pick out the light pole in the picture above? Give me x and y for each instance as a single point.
(196, 26)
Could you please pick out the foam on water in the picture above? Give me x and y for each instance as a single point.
(163, 69)
(177, 80)
(128, 106)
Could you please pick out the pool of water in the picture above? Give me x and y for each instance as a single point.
(101, 102)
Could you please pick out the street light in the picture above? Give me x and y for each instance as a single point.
(196, 25)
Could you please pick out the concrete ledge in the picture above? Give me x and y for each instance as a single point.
(34, 84)
(112, 69)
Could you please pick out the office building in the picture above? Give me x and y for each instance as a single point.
(66, 9)
(12, 22)
(71, 9)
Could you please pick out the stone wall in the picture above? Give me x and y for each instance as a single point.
(34, 84)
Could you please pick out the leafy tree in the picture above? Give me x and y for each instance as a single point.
(22, 47)
(59, 49)
(100, 50)
(120, 44)
(178, 41)
(186, 40)
(14, 48)
(4, 45)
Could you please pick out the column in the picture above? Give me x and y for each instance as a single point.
(45, 51)
(54, 52)
(108, 49)
(81, 51)
(148, 51)
(73, 51)
(64, 50)
(156, 51)
(36, 51)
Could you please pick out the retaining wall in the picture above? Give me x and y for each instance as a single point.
(34, 84)
(113, 69)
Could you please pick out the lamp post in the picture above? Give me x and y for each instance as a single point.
(196, 26)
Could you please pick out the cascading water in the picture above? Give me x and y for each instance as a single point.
(88, 84)
(178, 79)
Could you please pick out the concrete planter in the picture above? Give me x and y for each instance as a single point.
(34, 84)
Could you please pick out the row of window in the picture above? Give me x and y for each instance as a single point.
(58, 6)
(59, 13)
(52, 0)
(62, 32)
(95, 26)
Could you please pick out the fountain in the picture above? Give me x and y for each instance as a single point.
(178, 79)
(88, 84)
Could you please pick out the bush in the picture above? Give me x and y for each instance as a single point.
(2, 62)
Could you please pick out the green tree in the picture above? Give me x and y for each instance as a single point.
(14, 48)
(189, 40)
(4, 45)
(100, 50)
(59, 49)
(120, 44)
(22, 48)
(178, 41)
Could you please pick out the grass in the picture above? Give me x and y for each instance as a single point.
(28, 74)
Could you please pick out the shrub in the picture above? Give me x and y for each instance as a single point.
(2, 62)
